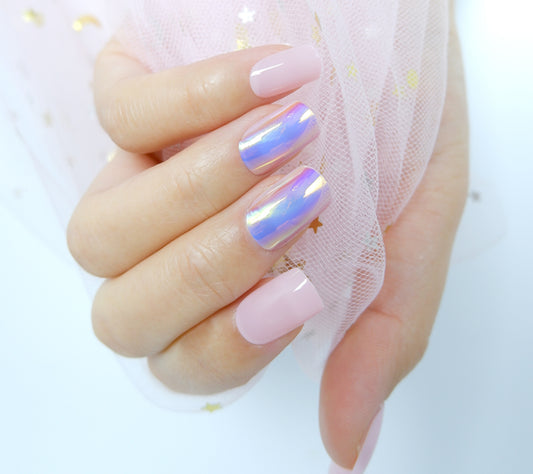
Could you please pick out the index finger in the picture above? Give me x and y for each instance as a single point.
(145, 112)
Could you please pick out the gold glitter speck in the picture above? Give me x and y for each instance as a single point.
(85, 20)
(316, 30)
(47, 119)
(315, 225)
(243, 40)
(412, 79)
(352, 70)
(31, 16)
(211, 407)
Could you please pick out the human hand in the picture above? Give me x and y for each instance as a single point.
(182, 242)
(391, 336)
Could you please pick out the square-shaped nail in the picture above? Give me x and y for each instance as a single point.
(278, 138)
(285, 71)
(277, 307)
(288, 207)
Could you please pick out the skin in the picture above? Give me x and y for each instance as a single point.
(177, 250)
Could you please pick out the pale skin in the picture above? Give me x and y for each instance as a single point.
(170, 240)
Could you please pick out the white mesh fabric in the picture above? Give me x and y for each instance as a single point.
(379, 102)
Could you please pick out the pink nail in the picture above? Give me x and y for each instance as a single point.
(277, 307)
(285, 71)
(365, 454)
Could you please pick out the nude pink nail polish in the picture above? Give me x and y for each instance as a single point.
(285, 71)
(277, 307)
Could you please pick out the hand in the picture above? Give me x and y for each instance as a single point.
(184, 243)
(391, 336)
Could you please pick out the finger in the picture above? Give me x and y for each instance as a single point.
(116, 226)
(229, 348)
(388, 339)
(145, 112)
(142, 311)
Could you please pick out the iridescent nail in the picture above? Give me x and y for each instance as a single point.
(288, 208)
(278, 138)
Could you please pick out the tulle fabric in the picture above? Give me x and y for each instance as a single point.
(379, 102)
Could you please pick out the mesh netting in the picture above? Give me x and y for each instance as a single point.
(379, 102)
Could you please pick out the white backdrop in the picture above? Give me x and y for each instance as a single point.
(66, 406)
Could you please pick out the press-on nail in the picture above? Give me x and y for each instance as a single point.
(277, 307)
(288, 207)
(285, 71)
(278, 138)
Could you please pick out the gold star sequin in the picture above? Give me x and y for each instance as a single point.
(412, 79)
(316, 30)
(83, 21)
(332, 75)
(243, 39)
(31, 16)
(211, 407)
(374, 107)
(399, 91)
(315, 225)
(352, 70)
(322, 164)
(47, 119)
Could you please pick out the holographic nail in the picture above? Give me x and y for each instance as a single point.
(278, 138)
(288, 208)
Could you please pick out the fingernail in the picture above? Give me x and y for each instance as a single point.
(288, 207)
(366, 451)
(285, 71)
(278, 307)
(278, 138)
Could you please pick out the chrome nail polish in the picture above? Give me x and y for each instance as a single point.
(288, 208)
(278, 137)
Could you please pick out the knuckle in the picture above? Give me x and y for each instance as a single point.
(195, 373)
(416, 343)
(200, 100)
(186, 184)
(411, 340)
(120, 116)
(84, 240)
(80, 242)
(204, 277)
(418, 349)
(109, 333)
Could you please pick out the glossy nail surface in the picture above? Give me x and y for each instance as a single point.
(278, 138)
(277, 307)
(366, 451)
(285, 71)
(288, 207)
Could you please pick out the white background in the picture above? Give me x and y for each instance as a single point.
(66, 406)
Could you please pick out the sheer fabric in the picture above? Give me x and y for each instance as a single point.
(379, 102)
